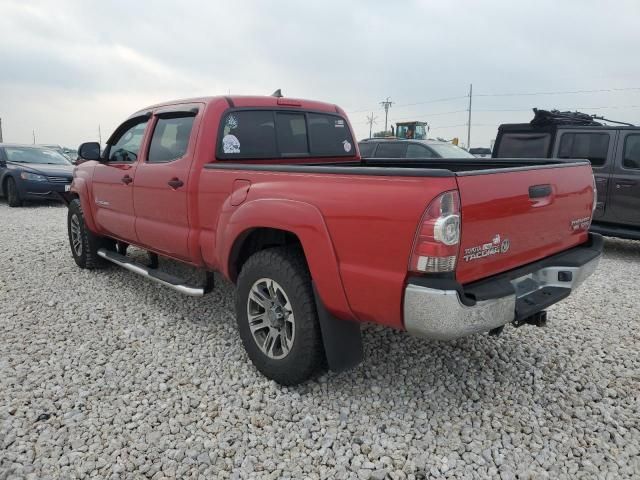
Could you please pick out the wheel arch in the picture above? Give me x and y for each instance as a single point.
(260, 224)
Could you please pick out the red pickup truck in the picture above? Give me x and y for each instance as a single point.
(273, 194)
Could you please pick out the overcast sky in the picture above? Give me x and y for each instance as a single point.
(68, 66)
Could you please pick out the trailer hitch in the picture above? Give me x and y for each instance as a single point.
(538, 319)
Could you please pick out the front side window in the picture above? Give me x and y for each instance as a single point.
(170, 139)
(127, 145)
(524, 145)
(632, 152)
(281, 133)
(592, 146)
(448, 150)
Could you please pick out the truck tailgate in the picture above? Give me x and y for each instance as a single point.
(518, 216)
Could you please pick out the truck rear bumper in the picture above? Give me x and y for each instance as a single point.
(449, 310)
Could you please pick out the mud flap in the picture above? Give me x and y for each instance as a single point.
(342, 339)
(66, 197)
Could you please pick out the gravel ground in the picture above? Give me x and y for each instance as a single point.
(105, 375)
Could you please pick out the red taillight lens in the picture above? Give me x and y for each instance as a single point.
(435, 248)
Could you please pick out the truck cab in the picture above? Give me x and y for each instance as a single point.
(614, 153)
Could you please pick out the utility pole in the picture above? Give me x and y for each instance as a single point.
(469, 121)
(0, 130)
(99, 135)
(371, 120)
(34, 136)
(386, 104)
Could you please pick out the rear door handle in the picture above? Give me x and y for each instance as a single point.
(175, 183)
(625, 184)
(127, 179)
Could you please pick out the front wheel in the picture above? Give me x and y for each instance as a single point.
(277, 317)
(13, 195)
(84, 244)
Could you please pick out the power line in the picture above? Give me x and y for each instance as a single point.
(523, 94)
(386, 104)
(567, 92)
(412, 104)
(371, 119)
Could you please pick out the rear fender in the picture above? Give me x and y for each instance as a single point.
(306, 222)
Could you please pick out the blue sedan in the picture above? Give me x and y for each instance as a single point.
(31, 173)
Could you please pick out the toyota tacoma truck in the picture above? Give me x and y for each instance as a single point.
(271, 192)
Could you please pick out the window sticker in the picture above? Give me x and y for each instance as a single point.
(230, 144)
(346, 145)
(232, 122)
(339, 124)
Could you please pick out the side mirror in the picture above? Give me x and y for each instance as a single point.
(89, 151)
(3, 163)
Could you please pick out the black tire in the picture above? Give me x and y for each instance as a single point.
(13, 195)
(85, 250)
(305, 357)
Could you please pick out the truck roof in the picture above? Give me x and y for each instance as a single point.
(519, 127)
(250, 101)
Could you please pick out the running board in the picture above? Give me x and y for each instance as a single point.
(157, 276)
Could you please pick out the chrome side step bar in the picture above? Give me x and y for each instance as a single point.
(154, 275)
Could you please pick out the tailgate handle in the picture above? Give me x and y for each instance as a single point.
(539, 191)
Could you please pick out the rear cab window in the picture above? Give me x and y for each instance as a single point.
(524, 145)
(275, 133)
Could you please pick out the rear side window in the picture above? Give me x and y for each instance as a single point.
(280, 133)
(524, 145)
(419, 151)
(391, 150)
(170, 139)
(366, 148)
(592, 146)
(632, 152)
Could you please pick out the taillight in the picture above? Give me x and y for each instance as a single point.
(595, 195)
(435, 248)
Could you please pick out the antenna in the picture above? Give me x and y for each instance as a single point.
(277, 94)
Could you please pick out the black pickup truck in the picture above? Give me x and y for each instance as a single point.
(613, 150)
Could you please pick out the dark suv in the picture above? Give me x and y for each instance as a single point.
(614, 153)
(398, 148)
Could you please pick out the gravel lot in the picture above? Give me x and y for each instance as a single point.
(105, 375)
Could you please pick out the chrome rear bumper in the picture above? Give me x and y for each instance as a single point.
(441, 315)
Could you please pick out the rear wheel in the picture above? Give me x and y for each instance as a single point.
(13, 195)
(84, 244)
(277, 317)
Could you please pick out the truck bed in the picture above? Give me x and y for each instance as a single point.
(414, 167)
